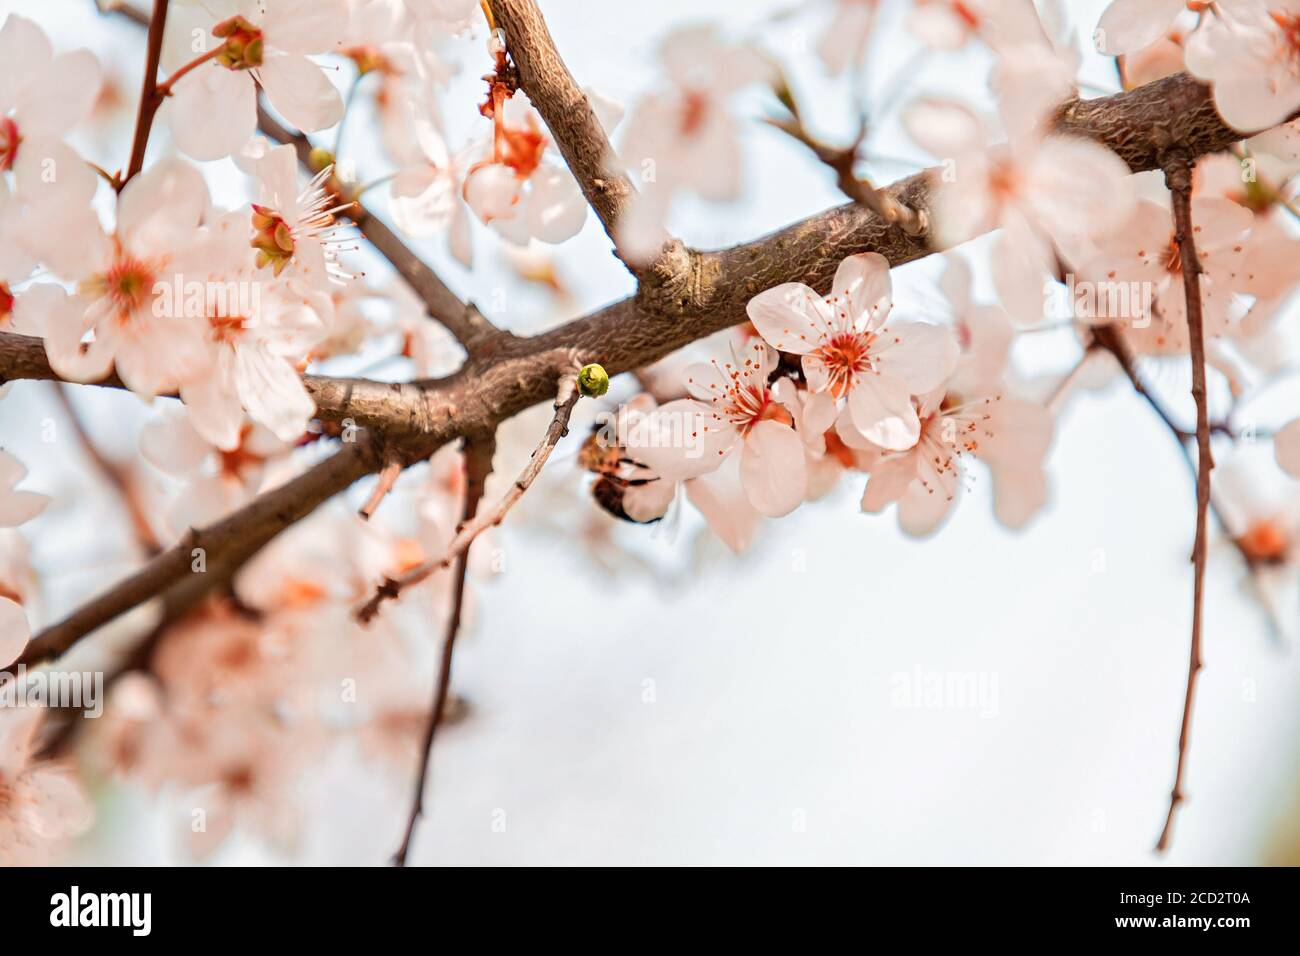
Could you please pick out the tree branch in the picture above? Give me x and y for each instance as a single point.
(478, 465)
(841, 161)
(116, 476)
(1178, 176)
(150, 98)
(207, 558)
(462, 319)
(1107, 337)
(392, 588)
(568, 113)
(699, 293)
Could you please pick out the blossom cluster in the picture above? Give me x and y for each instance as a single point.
(221, 305)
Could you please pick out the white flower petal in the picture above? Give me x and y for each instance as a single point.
(919, 354)
(882, 410)
(212, 112)
(15, 632)
(300, 92)
(773, 469)
(791, 317)
(1286, 447)
(273, 393)
(862, 293)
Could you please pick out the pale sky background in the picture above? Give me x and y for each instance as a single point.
(773, 736)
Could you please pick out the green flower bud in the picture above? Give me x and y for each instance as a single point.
(593, 381)
(320, 158)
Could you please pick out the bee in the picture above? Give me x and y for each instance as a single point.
(616, 474)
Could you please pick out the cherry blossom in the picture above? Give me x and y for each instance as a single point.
(733, 409)
(850, 349)
(253, 355)
(156, 238)
(845, 40)
(430, 347)
(216, 479)
(947, 24)
(17, 590)
(16, 507)
(1040, 190)
(42, 96)
(1011, 436)
(1249, 52)
(646, 496)
(515, 189)
(1286, 446)
(684, 138)
(264, 43)
(292, 225)
(1127, 26)
(426, 194)
(1162, 58)
(229, 296)
(1003, 24)
(41, 803)
(1145, 255)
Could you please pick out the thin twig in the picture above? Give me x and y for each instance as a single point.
(387, 478)
(113, 473)
(1178, 176)
(1108, 338)
(465, 535)
(1068, 380)
(478, 465)
(150, 99)
(841, 160)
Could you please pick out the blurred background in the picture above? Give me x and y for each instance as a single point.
(642, 696)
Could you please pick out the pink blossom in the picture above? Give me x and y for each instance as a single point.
(293, 226)
(1144, 254)
(113, 319)
(16, 507)
(41, 802)
(426, 195)
(515, 189)
(217, 480)
(1128, 26)
(42, 96)
(1249, 52)
(1041, 190)
(845, 40)
(732, 409)
(213, 110)
(1286, 447)
(851, 352)
(683, 137)
(17, 590)
(1009, 435)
